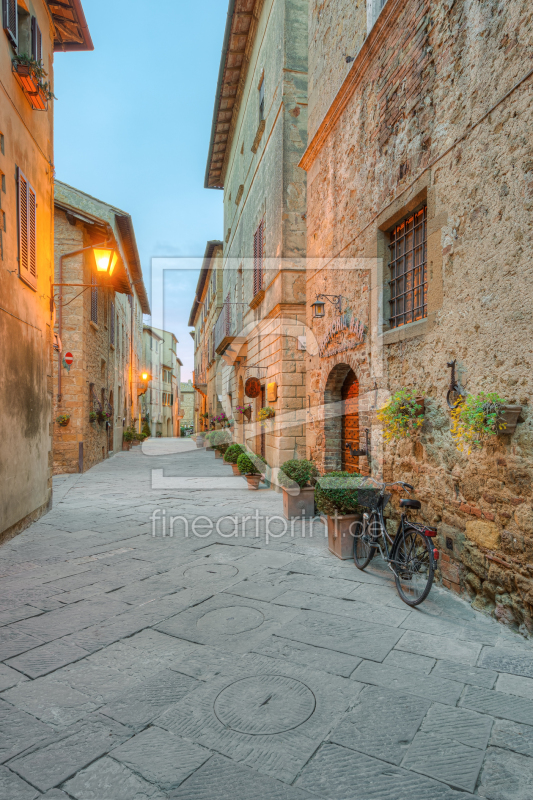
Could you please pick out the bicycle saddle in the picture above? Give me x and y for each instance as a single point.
(408, 503)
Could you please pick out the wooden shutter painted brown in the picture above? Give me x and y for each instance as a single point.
(94, 301)
(10, 20)
(27, 230)
(36, 41)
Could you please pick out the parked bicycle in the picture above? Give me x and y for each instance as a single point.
(411, 555)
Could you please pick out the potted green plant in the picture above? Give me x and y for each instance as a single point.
(231, 455)
(146, 430)
(127, 438)
(481, 417)
(220, 441)
(297, 478)
(63, 420)
(402, 415)
(248, 468)
(337, 496)
(92, 416)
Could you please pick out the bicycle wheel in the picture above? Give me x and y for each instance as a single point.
(414, 566)
(363, 548)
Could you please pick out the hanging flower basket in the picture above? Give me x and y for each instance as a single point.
(402, 415)
(63, 420)
(92, 416)
(245, 410)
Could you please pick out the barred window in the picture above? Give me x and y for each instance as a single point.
(408, 267)
(258, 257)
(94, 300)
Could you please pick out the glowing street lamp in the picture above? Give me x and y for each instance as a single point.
(106, 259)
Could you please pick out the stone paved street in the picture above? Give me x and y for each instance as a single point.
(212, 667)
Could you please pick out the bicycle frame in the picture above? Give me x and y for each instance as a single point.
(387, 553)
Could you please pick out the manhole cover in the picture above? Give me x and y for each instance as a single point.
(212, 572)
(265, 704)
(233, 619)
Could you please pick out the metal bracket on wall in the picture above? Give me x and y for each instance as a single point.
(365, 452)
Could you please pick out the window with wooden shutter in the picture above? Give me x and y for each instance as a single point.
(10, 20)
(94, 301)
(27, 229)
(258, 258)
(36, 41)
(112, 327)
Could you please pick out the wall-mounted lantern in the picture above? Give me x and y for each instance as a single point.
(319, 306)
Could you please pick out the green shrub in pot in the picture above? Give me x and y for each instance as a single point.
(246, 465)
(302, 472)
(338, 492)
(232, 453)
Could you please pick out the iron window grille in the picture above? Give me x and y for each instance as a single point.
(258, 257)
(408, 269)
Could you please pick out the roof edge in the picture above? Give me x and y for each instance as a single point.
(208, 255)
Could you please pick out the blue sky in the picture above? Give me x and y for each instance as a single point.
(132, 126)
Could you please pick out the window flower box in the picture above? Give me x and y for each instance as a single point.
(30, 81)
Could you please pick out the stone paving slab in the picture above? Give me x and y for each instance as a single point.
(146, 700)
(18, 613)
(51, 701)
(55, 624)
(512, 736)
(52, 763)
(222, 779)
(402, 660)
(513, 660)
(515, 684)
(498, 704)
(161, 757)
(48, 658)
(382, 724)
(351, 636)
(273, 719)
(427, 686)
(14, 788)
(313, 657)
(475, 676)
(9, 677)
(342, 774)
(13, 642)
(107, 778)
(506, 776)
(446, 760)
(228, 621)
(440, 647)
(18, 731)
(343, 608)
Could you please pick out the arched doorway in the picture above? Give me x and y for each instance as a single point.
(341, 422)
(350, 422)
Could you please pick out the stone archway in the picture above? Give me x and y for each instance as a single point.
(341, 390)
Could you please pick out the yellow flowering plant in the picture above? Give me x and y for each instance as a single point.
(402, 415)
(265, 413)
(476, 420)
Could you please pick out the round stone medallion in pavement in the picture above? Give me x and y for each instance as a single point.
(233, 619)
(264, 704)
(211, 572)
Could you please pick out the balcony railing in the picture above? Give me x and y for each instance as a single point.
(229, 325)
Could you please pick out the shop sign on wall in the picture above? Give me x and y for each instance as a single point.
(352, 333)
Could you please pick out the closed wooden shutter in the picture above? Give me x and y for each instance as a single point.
(27, 229)
(258, 258)
(112, 327)
(36, 41)
(94, 301)
(10, 20)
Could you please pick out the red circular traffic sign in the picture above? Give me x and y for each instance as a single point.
(69, 358)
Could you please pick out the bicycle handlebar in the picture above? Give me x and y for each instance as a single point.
(394, 483)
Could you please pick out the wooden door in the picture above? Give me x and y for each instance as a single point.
(263, 434)
(350, 422)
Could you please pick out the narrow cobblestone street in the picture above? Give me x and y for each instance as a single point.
(212, 667)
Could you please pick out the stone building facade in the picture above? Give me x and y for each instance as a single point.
(187, 394)
(204, 313)
(423, 139)
(258, 137)
(26, 254)
(98, 327)
(161, 403)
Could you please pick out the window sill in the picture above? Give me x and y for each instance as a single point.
(419, 328)
(258, 136)
(257, 299)
(94, 325)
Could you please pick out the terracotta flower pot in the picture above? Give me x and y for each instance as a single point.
(340, 535)
(301, 504)
(199, 442)
(510, 416)
(218, 454)
(235, 469)
(125, 445)
(253, 481)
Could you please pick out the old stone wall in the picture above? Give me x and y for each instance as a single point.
(436, 111)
